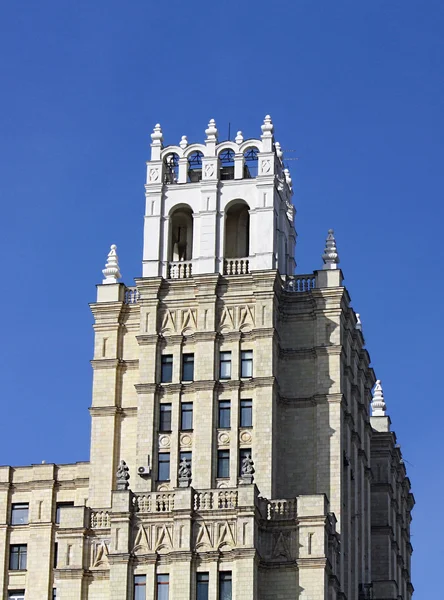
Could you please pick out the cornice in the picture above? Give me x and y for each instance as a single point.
(105, 363)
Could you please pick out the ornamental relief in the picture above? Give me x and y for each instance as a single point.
(154, 175)
(209, 170)
(215, 535)
(237, 318)
(179, 320)
(245, 437)
(153, 538)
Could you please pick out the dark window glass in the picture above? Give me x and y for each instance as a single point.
(56, 554)
(59, 507)
(139, 587)
(188, 367)
(19, 514)
(224, 414)
(166, 375)
(247, 363)
(186, 416)
(16, 595)
(225, 585)
(202, 581)
(223, 463)
(246, 413)
(54, 594)
(164, 467)
(243, 453)
(17, 557)
(165, 417)
(225, 365)
(163, 584)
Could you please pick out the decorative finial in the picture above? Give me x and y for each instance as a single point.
(239, 138)
(111, 270)
(211, 131)
(267, 127)
(183, 142)
(378, 404)
(157, 135)
(358, 325)
(122, 476)
(279, 152)
(330, 256)
(288, 178)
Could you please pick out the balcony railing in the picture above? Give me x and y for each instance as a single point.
(281, 510)
(180, 270)
(236, 266)
(300, 283)
(223, 499)
(131, 295)
(99, 520)
(160, 502)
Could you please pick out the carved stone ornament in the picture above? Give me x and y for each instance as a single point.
(154, 175)
(122, 476)
(247, 469)
(185, 440)
(245, 437)
(209, 170)
(223, 438)
(266, 166)
(184, 473)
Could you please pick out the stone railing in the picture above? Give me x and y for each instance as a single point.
(180, 270)
(300, 283)
(236, 266)
(281, 510)
(131, 295)
(217, 500)
(99, 520)
(160, 502)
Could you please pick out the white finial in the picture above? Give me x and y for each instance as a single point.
(183, 142)
(111, 270)
(378, 404)
(288, 178)
(358, 325)
(239, 138)
(211, 131)
(157, 135)
(330, 256)
(279, 152)
(267, 127)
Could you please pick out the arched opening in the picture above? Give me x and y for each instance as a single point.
(171, 168)
(226, 160)
(195, 167)
(251, 163)
(237, 238)
(181, 243)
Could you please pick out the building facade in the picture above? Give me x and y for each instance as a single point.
(233, 454)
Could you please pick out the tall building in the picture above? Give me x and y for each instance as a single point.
(233, 456)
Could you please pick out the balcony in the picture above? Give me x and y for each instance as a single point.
(236, 266)
(180, 269)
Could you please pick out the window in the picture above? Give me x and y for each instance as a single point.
(60, 506)
(224, 414)
(243, 453)
(165, 417)
(223, 463)
(166, 375)
(17, 557)
(188, 367)
(202, 581)
(247, 363)
(163, 584)
(246, 413)
(164, 467)
(186, 416)
(54, 594)
(56, 554)
(20, 514)
(139, 587)
(225, 585)
(16, 595)
(225, 365)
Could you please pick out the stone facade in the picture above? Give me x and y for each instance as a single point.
(232, 450)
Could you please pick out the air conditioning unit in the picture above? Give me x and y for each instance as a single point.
(144, 470)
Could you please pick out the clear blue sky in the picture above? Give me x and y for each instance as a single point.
(355, 88)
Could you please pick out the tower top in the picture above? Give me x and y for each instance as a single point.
(111, 270)
(378, 404)
(330, 256)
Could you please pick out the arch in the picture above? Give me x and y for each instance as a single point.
(195, 166)
(171, 168)
(171, 150)
(251, 159)
(180, 247)
(194, 148)
(237, 229)
(227, 146)
(226, 164)
(252, 143)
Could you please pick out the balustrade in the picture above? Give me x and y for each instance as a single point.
(131, 295)
(236, 266)
(180, 270)
(300, 283)
(280, 510)
(99, 520)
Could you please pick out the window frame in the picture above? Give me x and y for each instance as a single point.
(17, 506)
(225, 577)
(186, 363)
(159, 583)
(246, 364)
(165, 408)
(22, 551)
(163, 462)
(16, 594)
(59, 507)
(166, 368)
(223, 464)
(242, 408)
(139, 584)
(223, 361)
(222, 412)
(243, 453)
(186, 411)
(205, 579)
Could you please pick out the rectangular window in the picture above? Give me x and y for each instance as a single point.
(59, 507)
(54, 594)
(139, 587)
(243, 454)
(186, 416)
(56, 554)
(202, 582)
(165, 417)
(16, 595)
(166, 375)
(20, 514)
(246, 413)
(164, 467)
(225, 589)
(17, 557)
(188, 367)
(225, 365)
(223, 463)
(247, 363)
(224, 421)
(163, 585)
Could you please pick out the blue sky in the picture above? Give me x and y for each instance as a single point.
(354, 88)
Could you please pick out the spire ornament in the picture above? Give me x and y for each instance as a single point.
(157, 135)
(330, 256)
(239, 138)
(211, 131)
(111, 270)
(358, 325)
(267, 127)
(183, 142)
(378, 404)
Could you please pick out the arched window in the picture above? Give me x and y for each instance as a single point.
(250, 163)
(237, 230)
(195, 167)
(181, 234)
(226, 159)
(171, 170)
